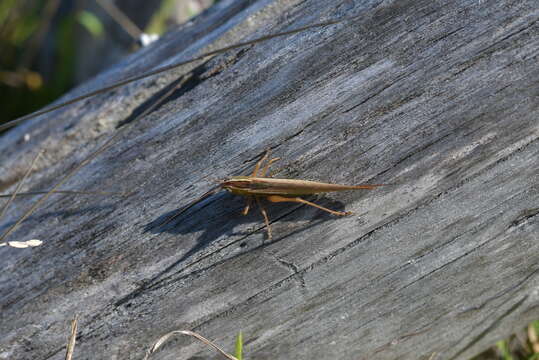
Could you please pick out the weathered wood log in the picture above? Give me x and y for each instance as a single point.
(439, 98)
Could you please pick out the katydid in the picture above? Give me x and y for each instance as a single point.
(258, 186)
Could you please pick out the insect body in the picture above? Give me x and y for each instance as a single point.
(264, 186)
(258, 186)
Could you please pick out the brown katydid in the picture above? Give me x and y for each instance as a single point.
(258, 186)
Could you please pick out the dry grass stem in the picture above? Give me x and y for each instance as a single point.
(119, 16)
(72, 338)
(166, 337)
(20, 244)
(19, 185)
(69, 192)
(107, 144)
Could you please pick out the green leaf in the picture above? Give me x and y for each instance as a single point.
(535, 325)
(503, 346)
(24, 29)
(6, 7)
(91, 23)
(157, 24)
(239, 346)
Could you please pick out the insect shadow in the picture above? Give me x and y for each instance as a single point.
(220, 214)
(217, 216)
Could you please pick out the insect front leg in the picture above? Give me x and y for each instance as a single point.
(277, 198)
(247, 206)
(259, 163)
(268, 164)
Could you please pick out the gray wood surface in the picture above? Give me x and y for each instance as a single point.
(439, 98)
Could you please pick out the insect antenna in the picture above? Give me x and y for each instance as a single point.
(206, 195)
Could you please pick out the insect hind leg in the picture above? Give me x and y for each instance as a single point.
(277, 198)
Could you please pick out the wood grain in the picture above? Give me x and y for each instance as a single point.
(439, 98)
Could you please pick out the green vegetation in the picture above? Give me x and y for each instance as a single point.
(38, 45)
(91, 23)
(239, 346)
(524, 346)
